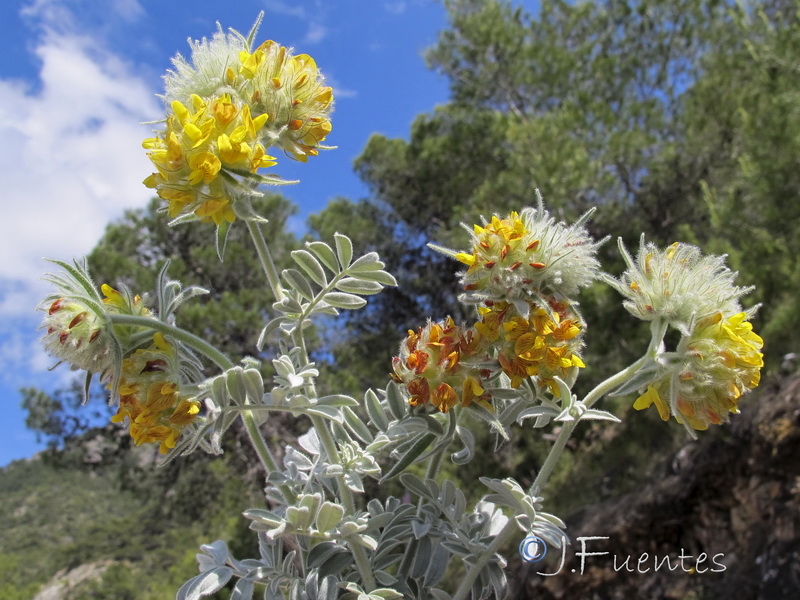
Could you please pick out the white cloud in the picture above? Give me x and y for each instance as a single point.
(313, 11)
(72, 158)
(339, 91)
(396, 8)
(130, 10)
(316, 33)
(71, 161)
(281, 7)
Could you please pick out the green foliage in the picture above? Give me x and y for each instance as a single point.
(142, 522)
(676, 118)
(742, 124)
(679, 119)
(134, 249)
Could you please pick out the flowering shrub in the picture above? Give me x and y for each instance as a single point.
(320, 537)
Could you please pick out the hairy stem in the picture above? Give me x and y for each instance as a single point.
(472, 572)
(328, 443)
(265, 258)
(224, 363)
(657, 331)
(179, 334)
(263, 451)
(552, 458)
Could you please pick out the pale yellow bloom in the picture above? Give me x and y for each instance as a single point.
(151, 398)
(719, 362)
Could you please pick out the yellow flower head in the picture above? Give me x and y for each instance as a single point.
(528, 253)
(291, 90)
(720, 360)
(286, 89)
(545, 344)
(199, 145)
(150, 396)
(435, 364)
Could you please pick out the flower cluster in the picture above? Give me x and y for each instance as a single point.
(523, 271)
(528, 254)
(677, 284)
(717, 363)
(228, 106)
(544, 345)
(291, 91)
(77, 330)
(437, 365)
(199, 143)
(718, 356)
(150, 396)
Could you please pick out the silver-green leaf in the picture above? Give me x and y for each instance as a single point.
(310, 265)
(344, 249)
(344, 300)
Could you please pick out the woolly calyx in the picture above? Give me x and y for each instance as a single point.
(525, 255)
(77, 330)
(677, 284)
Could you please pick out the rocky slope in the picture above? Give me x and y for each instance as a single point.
(728, 502)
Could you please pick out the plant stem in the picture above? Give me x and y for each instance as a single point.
(265, 258)
(435, 463)
(224, 363)
(179, 334)
(325, 436)
(657, 331)
(473, 570)
(552, 458)
(612, 382)
(263, 451)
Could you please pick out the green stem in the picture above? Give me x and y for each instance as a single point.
(657, 331)
(613, 382)
(328, 443)
(264, 454)
(179, 334)
(474, 570)
(552, 457)
(346, 496)
(265, 258)
(435, 463)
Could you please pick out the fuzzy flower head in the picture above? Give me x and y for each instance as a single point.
(677, 284)
(436, 364)
(286, 88)
(77, 330)
(150, 396)
(544, 344)
(718, 362)
(291, 90)
(76, 333)
(525, 254)
(203, 143)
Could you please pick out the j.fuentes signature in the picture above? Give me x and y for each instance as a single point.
(533, 549)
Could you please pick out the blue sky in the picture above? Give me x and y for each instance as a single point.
(77, 77)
